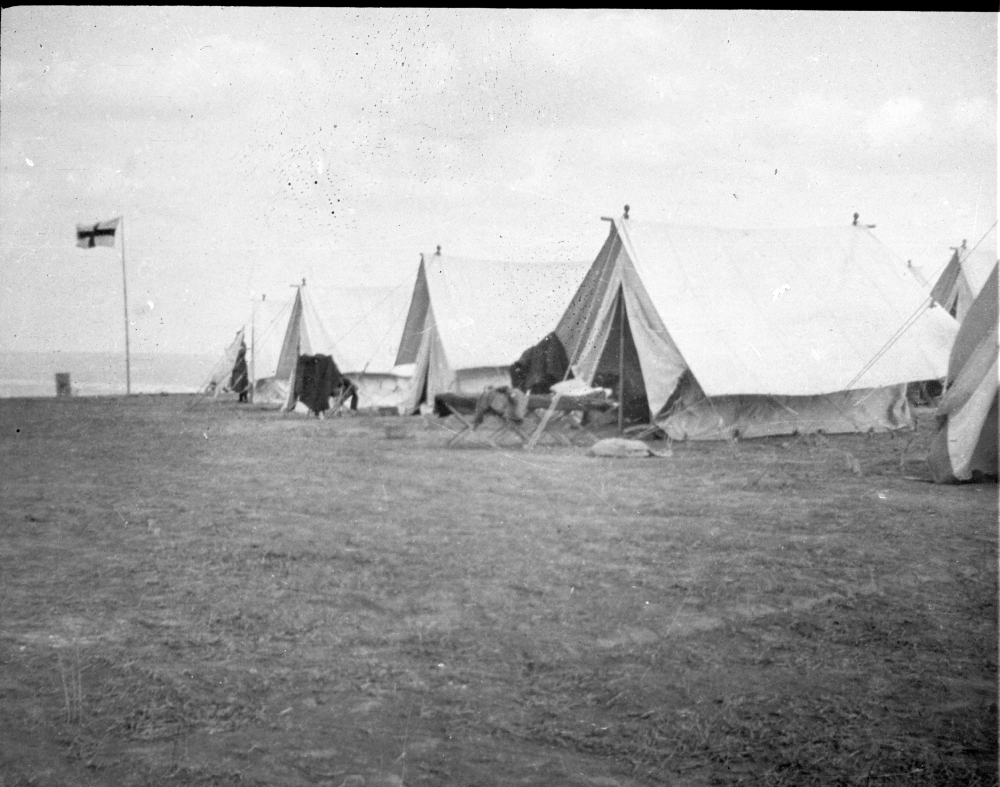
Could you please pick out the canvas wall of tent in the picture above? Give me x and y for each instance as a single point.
(965, 444)
(366, 326)
(359, 327)
(469, 320)
(726, 333)
(263, 336)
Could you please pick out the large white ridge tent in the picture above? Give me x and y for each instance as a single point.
(469, 320)
(963, 277)
(966, 440)
(365, 325)
(724, 332)
(359, 327)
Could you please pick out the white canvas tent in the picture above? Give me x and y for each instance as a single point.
(966, 440)
(469, 320)
(359, 327)
(273, 354)
(221, 375)
(963, 277)
(725, 333)
(365, 325)
(263, 340)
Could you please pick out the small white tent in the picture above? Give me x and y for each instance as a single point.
(222, 372)
(278, 334)
(724, 333)
(966, 440)
(268, 322)
(469, 320)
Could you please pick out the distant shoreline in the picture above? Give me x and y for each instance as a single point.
(32, 375)
(96, 395)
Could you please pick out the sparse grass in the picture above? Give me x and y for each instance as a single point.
(237, 596)
(72, 683)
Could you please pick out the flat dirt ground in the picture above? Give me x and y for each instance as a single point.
(198, 593)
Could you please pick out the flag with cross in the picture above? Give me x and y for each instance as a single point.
(100, 234)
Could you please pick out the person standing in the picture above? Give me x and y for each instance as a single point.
(239, 381)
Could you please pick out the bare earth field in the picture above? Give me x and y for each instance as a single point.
(216, 594)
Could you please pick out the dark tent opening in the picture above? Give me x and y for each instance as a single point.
(620, 364)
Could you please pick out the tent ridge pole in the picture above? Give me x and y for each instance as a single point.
(621, 359)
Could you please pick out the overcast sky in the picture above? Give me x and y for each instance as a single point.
(248, 148)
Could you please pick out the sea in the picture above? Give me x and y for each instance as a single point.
(24, 374)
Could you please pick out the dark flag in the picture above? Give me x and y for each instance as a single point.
(101, 234)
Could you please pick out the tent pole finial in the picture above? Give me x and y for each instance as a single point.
(438, 252)
(856, 217)
(626, 211)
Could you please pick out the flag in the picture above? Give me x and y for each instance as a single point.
(100, 234)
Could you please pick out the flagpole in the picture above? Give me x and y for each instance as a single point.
(128, 363)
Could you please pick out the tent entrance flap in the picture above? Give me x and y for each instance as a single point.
(419, 380)
(619, 369)
(423, 393)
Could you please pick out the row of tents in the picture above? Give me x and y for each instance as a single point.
(360, 327)
(706, 333)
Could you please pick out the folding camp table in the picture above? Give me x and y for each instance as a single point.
(546, 416)
(467, 410)
(555, 416)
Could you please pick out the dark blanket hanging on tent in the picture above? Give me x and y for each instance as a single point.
(317, 378)
(540, 367)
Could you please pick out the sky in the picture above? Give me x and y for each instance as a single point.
(250, 148)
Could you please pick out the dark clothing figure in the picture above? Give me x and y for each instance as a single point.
(239, 381)
(347, 389)
(317, 378)
(540, 367)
